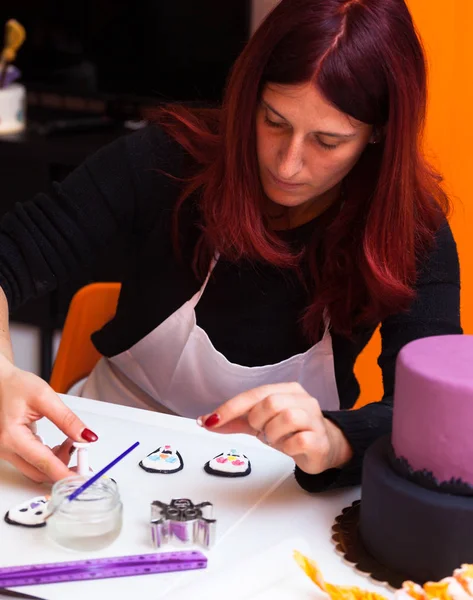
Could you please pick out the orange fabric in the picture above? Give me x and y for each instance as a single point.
(91, 307)
(445, 29)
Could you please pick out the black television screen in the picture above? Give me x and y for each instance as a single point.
(164, 49)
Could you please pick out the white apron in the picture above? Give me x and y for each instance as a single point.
(176, 369)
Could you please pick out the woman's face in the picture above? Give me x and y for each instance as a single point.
(305, 148)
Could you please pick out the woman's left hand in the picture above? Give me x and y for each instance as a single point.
(286, 417)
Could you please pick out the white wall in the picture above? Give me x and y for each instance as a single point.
(26, 346)
(260, 9)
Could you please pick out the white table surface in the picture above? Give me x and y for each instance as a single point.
(254, 513)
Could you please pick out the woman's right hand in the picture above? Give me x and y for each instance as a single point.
(24, 400)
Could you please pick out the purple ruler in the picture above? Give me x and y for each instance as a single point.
(102, 568)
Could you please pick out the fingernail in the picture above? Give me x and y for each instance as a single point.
(89, 436)
(212, 420)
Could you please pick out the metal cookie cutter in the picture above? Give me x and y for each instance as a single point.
(183, 522)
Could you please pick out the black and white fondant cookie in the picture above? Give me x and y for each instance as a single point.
(163, 460)
(29, 514)
(229, 464)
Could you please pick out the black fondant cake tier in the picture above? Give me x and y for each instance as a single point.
(423, 533)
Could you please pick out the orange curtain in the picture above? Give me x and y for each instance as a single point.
(446, 29)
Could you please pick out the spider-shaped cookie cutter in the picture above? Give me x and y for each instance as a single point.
(182, 522)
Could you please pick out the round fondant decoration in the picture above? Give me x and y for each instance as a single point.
(163, 460)
(229, 464)
(29, 514)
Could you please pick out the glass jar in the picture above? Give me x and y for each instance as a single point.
(91, 521)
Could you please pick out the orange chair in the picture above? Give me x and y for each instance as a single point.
(91, 307)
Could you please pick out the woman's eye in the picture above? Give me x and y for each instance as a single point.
(280, 125)
(325, 145)
(274, 124)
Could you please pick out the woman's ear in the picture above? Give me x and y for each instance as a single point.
(377, 135)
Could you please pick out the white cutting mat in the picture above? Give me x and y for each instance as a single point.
(270, 575)
(118, 428)
(254, 513)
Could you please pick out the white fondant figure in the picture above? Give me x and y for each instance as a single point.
(163, 460)
(229, 464)
(29, 514)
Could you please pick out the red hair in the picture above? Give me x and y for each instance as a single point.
(365, 57)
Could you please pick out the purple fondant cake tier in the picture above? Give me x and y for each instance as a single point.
(433, 407)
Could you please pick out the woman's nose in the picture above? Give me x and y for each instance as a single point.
(290, 160)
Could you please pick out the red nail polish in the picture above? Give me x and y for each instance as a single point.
(89, 436)
(212, 420)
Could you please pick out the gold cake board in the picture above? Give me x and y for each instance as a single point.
(348, 544)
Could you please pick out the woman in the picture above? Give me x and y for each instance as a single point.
(267, 241)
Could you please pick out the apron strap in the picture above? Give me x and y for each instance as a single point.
(326, 318)
(213, 262)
